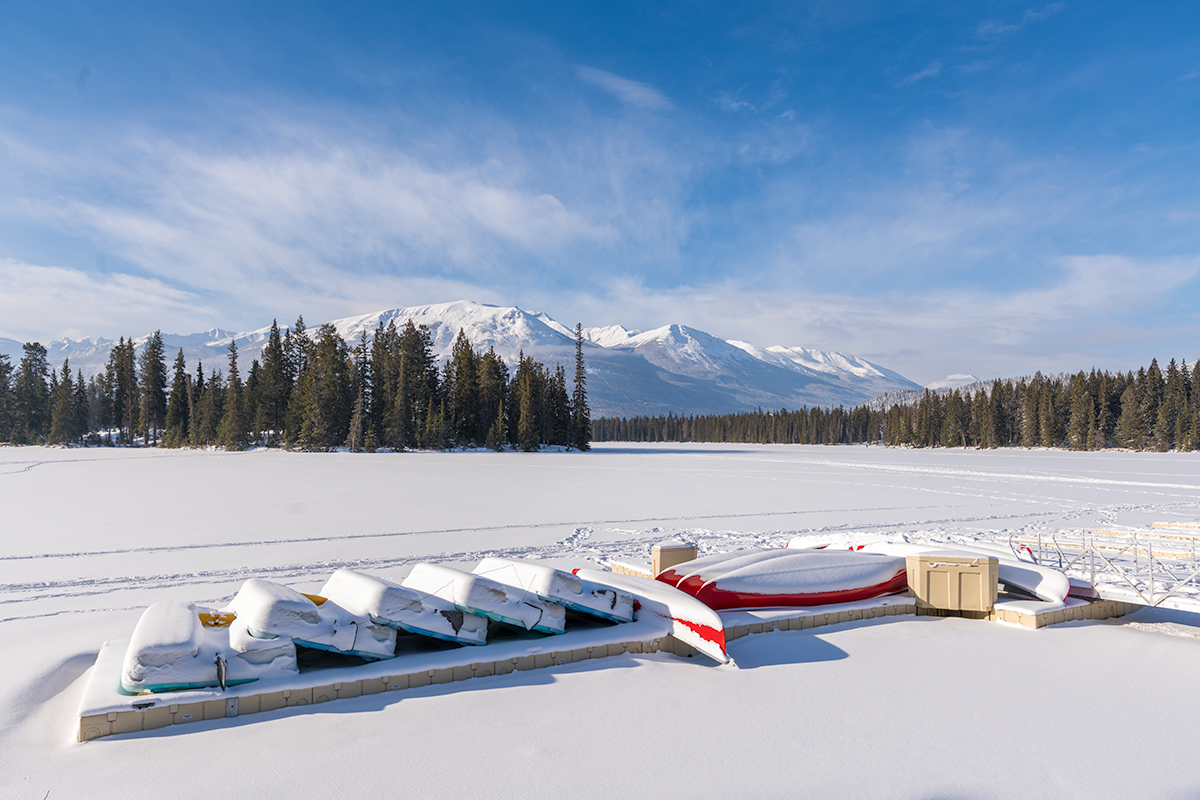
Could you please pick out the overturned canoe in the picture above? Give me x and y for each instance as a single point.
(392, 605)
(775, 578)
(173, 649)
(557, 586)
(271, 610)
(475, 594)
(692, 622)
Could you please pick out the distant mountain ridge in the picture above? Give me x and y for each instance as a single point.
(672, 369)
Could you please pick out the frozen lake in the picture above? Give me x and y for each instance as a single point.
(90, 537)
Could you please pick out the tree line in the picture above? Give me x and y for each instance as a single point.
(310, 391)
(1151, 409)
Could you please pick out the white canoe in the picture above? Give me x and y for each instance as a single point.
(393, 606)
(557, 586)
(692, 622)
(476, 594)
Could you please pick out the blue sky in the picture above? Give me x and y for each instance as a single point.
(993, 188)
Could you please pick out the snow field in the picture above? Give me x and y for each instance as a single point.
(902, 707)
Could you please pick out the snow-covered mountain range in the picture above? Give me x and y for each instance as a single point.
(630, 372)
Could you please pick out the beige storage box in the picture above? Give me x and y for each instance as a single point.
(665, 555)
(954, 584)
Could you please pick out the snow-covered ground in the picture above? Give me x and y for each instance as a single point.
(902, 707)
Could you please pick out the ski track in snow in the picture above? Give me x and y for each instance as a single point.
(1040, 476)
(428, 532)
(603, 540)
(581, 542)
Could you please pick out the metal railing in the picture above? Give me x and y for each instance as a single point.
(1149, 568)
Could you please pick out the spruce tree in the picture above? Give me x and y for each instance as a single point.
(492, 377)
(234, 431)
(211, 409)
(1029, 412)
(62, 410)
(79, 409)
(581, 415)
(497, 434)
(1129, 424)
(1105, 419)
(385, 418)
(8, 399)
(1082, 420)
(175, 425)
(121, 376)
(195, 409)
(274, 387)
(558, 409)
(527, 399)
(326, 392)
(463, 392)
(297, 346)
(356, 439)
(252, 409)
(32, 392)
(152, 389)
(1048, 431)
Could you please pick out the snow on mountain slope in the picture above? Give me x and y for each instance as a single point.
(673, 369)
(509, 330)
(11, 348)
(610, 335)
(851, 371)
(607, 336)
(953, 382)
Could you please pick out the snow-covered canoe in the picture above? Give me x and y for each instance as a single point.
(773, 578)
(692, 622)
(476, 594)
(271, 610)
(557, 586)
(178, 646)
(393, 606)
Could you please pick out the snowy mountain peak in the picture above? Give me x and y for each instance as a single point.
(509, 330)
(610, 335)
(674, 368)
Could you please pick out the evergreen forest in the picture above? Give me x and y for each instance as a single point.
(311, 391)
(1151, 409)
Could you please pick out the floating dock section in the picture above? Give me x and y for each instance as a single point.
(104, 710)
(938, 586)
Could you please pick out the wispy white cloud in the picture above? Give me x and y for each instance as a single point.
(932, 71)
(313, 208)
(44, 302)
(634, 93)
(319, 219)
(730, 101)
(1045, 12)
(990, 29)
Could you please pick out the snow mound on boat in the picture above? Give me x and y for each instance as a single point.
(673, 575)
(475, 594)
(165, 649)
(171, 650)
(557, 586)
(785, 577)
(270, 610)
(811, 572)
(394, 606)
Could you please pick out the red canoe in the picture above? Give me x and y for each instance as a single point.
(770, 578)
